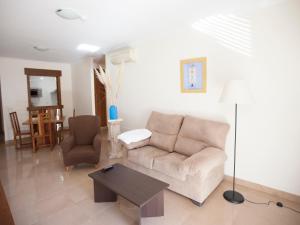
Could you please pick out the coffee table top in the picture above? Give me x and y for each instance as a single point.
(132, 185)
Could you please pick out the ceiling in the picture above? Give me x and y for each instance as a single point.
(110, 23)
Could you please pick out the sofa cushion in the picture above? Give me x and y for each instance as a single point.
(164, 128)
(188, 146)
(144, 156)
(163, 141)
(171, 165)
(196, 131)
(203, 162)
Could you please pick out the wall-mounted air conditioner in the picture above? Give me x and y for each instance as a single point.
(125, 55)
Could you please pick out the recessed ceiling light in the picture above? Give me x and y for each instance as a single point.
(69, 14)
(88, 48)
(41, 48)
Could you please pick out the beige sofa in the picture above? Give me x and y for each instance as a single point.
(186, 152)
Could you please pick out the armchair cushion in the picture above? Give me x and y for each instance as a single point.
(67, 144)
(82, 154)
(97, 143)
(84, 128)
(204, 161)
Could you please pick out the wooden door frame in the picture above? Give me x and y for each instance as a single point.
(1, 114)
(102, 115)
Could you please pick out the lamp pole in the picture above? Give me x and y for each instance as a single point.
(233, 196)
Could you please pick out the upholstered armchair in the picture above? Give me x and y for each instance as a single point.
(84, 143)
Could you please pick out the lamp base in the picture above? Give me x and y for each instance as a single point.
(233, 197)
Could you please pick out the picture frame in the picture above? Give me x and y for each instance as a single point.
(193, 75)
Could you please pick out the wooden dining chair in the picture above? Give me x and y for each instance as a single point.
(59, 126)
(19, 134)
(42, 136)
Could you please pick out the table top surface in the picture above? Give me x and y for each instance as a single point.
(60, 119)
(132, 185)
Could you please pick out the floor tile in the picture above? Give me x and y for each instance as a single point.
(41, 192)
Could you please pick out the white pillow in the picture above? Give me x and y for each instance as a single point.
(137, 135)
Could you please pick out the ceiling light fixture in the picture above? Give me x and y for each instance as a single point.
(69, 14)
(88, 48)
(41, 48)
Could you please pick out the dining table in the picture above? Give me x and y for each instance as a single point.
(54, 120)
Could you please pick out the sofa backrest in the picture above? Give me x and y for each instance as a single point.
(84, 128)
(196, 134)
(164, 128)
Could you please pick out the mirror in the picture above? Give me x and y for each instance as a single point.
(43, 88)
(43, 91)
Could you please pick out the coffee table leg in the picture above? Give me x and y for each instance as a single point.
(103, 194)
(155, 207)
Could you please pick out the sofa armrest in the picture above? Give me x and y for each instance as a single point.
(67, 144)
(97, 143)
(204, 161)
(134, 145)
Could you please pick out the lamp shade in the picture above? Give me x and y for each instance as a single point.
(236, 92)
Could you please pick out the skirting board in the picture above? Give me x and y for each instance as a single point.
(9, 142)
(265, 189)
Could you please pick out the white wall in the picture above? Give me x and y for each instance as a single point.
(268, 130)
(14, 88)
(83, 87)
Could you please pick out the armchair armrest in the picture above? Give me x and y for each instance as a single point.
(204, 161)
(134, 145)
(97, 143)
(67, 144)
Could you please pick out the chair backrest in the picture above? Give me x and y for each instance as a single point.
(44, 124)
(52, 112)
(15, 123)
(55, 113)
(84, 128)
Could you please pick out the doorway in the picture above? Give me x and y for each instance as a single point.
(100, 101)
(2, 137)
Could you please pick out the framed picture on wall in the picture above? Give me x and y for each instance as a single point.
(193, 75)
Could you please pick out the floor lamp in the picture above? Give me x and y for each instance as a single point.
(235, 92)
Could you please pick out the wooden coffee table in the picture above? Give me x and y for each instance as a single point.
(143, 191)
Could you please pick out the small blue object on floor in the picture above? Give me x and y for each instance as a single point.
(113, 112)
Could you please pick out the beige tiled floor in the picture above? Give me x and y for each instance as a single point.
(40, 192)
